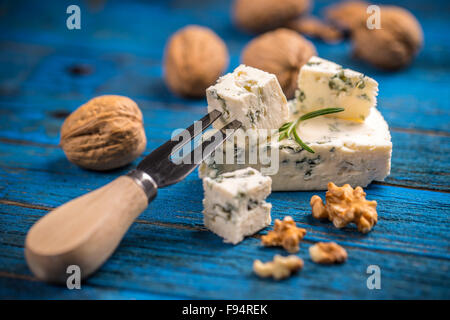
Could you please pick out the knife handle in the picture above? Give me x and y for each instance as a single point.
(85, 231)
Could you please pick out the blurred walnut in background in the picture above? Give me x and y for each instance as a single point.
(262, 15)
(315, 28)
(347, 14)
(394, 45)
(194, 58)
(281, 52)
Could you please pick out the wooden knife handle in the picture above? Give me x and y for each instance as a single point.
(84, 231)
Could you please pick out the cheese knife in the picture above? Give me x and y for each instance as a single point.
(85, 231)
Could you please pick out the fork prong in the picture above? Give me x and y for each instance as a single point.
(208, 146)
(206, 121)
(169, 172)
(169, 147)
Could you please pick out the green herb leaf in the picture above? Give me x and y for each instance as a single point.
(290, 128)
(301, 143)
(282, 136)
(320, 112)
(284, 126)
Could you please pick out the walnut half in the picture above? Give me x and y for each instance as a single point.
(280, 268)
(345, 205)
(286, 234)
(327, 253)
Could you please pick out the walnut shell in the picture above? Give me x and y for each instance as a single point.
(281, 52)
(315, 28)
(394, 45)
(262, 15)
(347, 14)
(104, 133)
(194, 58)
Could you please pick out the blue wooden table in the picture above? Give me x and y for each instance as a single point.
(47, 71)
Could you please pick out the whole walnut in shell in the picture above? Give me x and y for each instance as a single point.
(194, 58)
(394, 45)
(281, 52)
(263, 15)
(105, 133)
(315, 28)
(347, 14)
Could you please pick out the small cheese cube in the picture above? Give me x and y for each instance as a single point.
(234, 205)
(251, 96)
(324, 84)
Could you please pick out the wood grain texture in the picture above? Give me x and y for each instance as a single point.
(47, 71)
(191, 262)
(401, 230)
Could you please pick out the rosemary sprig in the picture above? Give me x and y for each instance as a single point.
(289, 129)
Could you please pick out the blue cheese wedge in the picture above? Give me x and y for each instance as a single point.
(345, 152)
(234, 205)
(325, 84)
(251, 96)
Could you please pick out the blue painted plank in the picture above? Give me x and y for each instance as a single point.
(195, 263)
(410, 220)
(15, 287)
(419, 160)
(415, 106)
(125, 60)
(410, 243)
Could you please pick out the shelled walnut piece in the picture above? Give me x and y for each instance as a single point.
(264, 15)
(345, 205)
(327, 253)
(281, 52)
(194, 58)
(280, 268)
(286, 234)
(105, 133)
